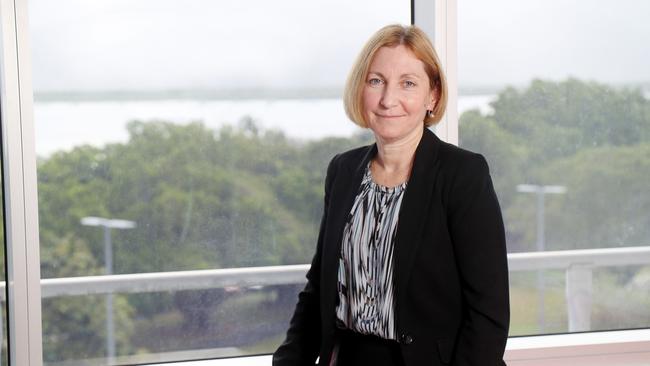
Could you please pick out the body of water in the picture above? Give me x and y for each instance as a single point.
(62, 125)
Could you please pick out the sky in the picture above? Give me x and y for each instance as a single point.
(153, 44)
(80, 45)
(513, 41)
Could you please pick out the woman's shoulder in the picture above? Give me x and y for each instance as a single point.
(463, 173)
(352, 157)
(458, 159)
(346, 162)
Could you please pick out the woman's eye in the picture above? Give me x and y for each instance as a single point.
(409, 84)
(374, 81)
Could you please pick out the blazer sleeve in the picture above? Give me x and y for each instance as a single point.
(478, 235)
(302, 343)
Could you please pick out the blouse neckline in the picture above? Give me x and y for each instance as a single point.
(381, 188)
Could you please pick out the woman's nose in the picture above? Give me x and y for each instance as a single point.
(388, 97)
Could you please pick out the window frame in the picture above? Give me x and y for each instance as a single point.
(23, 296)
(439, 20)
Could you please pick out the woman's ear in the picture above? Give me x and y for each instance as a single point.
(432, 99)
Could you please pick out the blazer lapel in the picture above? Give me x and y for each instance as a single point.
(415, 206)
(344, 190)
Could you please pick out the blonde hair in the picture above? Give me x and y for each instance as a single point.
(394, 35)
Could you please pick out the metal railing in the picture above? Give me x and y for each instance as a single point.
(578, 266)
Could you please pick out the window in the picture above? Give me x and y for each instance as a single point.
(141, 117)
(556, 96)
(174, 137)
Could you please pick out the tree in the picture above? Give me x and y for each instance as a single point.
(532, 130)
(607, 202)
(234, 197)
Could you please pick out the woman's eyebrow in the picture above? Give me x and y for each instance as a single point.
(407, 75)
(411, 75)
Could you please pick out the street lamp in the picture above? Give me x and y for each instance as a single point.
(108, 224)
(541, 192)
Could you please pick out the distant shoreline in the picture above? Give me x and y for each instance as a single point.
(64, 124)
(209, 95)
(253, 94)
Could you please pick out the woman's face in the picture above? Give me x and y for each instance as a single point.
(396, 94)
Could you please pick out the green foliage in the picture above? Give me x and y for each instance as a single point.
(559, 119)
(234, 197)
(609, 311)
(589, 137)
(607, 199)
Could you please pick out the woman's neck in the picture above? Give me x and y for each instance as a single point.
(392, 164)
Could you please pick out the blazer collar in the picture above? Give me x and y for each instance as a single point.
(360, 169)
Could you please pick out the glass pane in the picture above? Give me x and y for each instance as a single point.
(556, 95)
(184, 136)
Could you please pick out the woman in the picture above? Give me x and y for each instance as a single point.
(410, 266)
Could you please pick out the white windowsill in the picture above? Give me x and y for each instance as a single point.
(621, 348)
(610, 345)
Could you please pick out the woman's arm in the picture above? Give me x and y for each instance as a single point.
(477, 232)
(302, 343)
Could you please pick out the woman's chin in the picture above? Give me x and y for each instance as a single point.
(392, 135)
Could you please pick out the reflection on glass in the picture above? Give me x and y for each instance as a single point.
(207, 124)
(562, 113)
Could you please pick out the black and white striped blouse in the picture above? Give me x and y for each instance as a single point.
(365, 278)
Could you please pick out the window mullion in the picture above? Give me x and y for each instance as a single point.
(20, 197)
(438, 19)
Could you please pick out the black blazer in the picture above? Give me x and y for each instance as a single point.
(450, 270)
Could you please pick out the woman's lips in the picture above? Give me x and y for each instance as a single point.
(390, 116)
